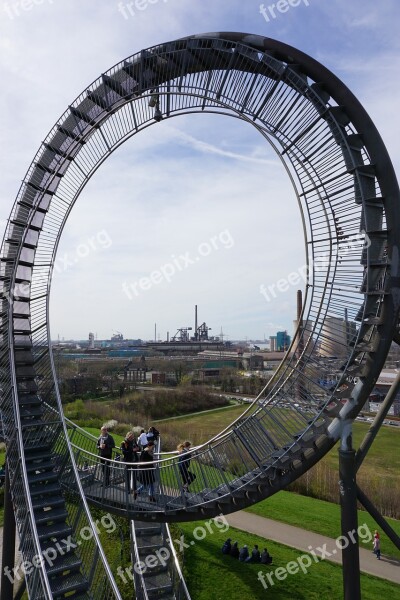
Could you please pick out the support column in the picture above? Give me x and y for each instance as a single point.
(8, 557)
(349, 520)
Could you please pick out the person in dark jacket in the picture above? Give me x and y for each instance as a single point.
(226, 548)
(266, 558)
(129, 450)
(243, 554)
(105, 444)
(235, 550)
(147, 476)
(255, 555)
(184, 463)
(152, 434)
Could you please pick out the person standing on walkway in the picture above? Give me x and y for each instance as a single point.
(142, 440)
(377, 545)
(129, 450)
(147, 476)
(105, 444)
(183, 463)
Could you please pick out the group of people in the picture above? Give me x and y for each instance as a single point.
(133, 451)
(243, 555)
(142, 450)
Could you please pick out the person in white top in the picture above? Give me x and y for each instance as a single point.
(142, 439)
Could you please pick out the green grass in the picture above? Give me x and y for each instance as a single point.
(209, 574)
(383, 458)
(318, 516)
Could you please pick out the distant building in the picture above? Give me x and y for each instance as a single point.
(91, 341)
(273, 343)
(117, 337)
(282, 341)
(336, 335)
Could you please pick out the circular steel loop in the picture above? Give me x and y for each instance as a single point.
(348, 197)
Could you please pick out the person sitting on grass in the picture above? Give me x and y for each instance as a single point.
(255, 555)
(243, 554)
(235, 550)
(226, 548)
(266, 558)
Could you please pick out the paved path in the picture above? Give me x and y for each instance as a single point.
(300, 539)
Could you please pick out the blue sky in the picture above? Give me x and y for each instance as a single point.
(200, 187)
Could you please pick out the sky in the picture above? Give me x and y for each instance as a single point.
(201, 199)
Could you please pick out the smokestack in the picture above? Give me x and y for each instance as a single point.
(300, 346)
(155, 332)
(195, 322)
(299, 304)
(167, 336)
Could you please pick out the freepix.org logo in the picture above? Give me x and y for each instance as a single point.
(162, 555)
(272, 11)
(59, 548)
(182, 262)
(316, 555)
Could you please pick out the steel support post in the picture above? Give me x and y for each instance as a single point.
(349, 521)
(8, 558)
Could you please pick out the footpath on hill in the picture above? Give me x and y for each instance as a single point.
(324, 547)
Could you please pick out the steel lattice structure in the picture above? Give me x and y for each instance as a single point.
(348, 197)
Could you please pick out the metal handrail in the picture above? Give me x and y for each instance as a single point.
(138, 577)
(177, 566)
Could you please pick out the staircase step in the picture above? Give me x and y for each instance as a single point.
(32, 447)
(29, 399)
(47, 516)
(42, 464)
(31, 411)
(44, 477)
(147, 528)
(50, 488)
(73, 582)
(159, 567)
(68, 562)
(39, 455)
(48, 501)
(55, 530)
(149, 541)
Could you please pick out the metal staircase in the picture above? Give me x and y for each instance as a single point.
(344, 182)
(152, 545)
